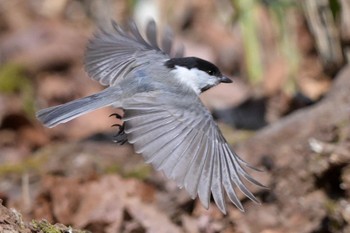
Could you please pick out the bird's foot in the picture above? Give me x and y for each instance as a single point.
(121, 137)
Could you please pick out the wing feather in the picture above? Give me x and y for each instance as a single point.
(151, 33)
(216, 187)
(169, 165)
(242, 171)
(188, 160)
(167, 40)
(150, 140)
(237, 180)
(182, 140)
(204, 187)
(137, 35)
(167, 124)
(193, 174)
(169, 148)
(185, 159)
(228, 184)
(161, 144)
(147, 119)
(111, 55)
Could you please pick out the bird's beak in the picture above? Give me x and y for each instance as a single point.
(225, 79)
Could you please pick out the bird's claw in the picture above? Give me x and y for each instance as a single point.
(118, 125)
(116, 115)
(121, 137)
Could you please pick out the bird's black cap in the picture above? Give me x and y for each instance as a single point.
(194, 62)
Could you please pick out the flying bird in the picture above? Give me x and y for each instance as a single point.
(164, 119)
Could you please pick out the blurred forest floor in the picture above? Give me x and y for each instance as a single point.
(287, 112)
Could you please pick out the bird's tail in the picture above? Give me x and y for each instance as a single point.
(53, 116)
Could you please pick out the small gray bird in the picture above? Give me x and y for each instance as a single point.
(164, 118)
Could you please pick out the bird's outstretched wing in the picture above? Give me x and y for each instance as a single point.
(110, 55)
(183, 140)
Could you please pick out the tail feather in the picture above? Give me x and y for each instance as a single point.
(53, 116)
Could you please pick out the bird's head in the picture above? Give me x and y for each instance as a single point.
(196, 73)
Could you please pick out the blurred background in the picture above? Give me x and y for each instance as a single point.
(287, 112)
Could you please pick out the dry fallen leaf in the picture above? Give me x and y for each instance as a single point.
(150, 217)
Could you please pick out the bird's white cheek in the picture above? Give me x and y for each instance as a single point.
(187, 77)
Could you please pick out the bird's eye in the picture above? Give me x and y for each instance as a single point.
(210, 72)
